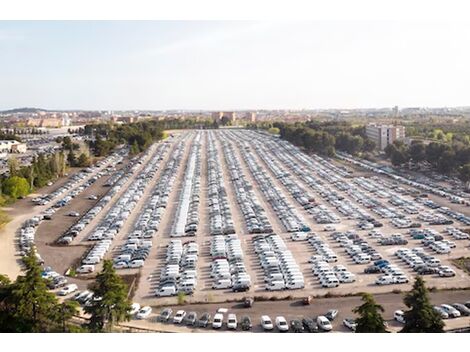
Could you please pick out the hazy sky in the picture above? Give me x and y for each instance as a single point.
(233, 65)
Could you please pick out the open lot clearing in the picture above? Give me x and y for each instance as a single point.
(224, 214)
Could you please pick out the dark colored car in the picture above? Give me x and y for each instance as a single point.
(309, 325)
(296, 326)
(240, 288)
(204, 320)
(331, 314)
(165, 314)
(462, 308)
(190, 319)
(372, 270)
(246, 324)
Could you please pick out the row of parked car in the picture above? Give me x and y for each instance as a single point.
(254, 215)
(409, 180)
(446, 311)
(281, 270)
(116, 181)
(134, 252)
(187, 216)
(90, 174)
(369, 194)
(423, 263)
(227, 267)
(111, 224)
(222, 318)
(220, 216)
(179, 273)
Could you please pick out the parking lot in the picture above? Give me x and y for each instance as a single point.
(222, 214)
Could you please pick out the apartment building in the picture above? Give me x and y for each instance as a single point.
(384, 135)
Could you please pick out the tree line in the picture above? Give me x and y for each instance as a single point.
(443, 157)
(26, 305)
(327, 137)
(138, 136)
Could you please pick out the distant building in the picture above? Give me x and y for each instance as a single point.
(45, 122)
(250, 116)
(228, 115)
(384, 135)
(9, 146)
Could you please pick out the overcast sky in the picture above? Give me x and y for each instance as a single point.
(233, 65)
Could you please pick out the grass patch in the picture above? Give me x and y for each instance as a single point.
(463, 263)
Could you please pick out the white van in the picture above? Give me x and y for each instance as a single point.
(123, 257)
(166, 291)
(276, 285)
(295, 284)
(91, 260)
(84, 269)
(222, 284)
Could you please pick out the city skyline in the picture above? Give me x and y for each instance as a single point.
(240, 65)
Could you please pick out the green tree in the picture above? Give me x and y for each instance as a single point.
(370, 318)
(417, 152)
(421, 317)
(464, 175)
(398, 157)
(113, 306)
(71, 159)
(83, 160)
(28, 306)
(13, 166)
(135, 148)
(16, 187)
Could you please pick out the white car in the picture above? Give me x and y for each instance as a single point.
(68, 289)
(323, 323)
(144, 312)
(266, 323)
(218, 321)
(399, 316)
(446, 272)
(135, 307)
(350, 324)
(120, 265)
(179, 316)
(281, 324)
(451, 311)
(232, 322)
(136, 263)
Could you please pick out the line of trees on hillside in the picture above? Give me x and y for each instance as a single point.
(327, 137)
(444, 157)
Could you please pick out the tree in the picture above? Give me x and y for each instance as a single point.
(417, 152)
(28, 306)
(398, 157)
(464, 174)
(113, 306)
(369, 145)
(370, 320)
(421, 317)
(83, 160)
(16, 187)
(72, 161)
(135, 148)
(13, 166)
